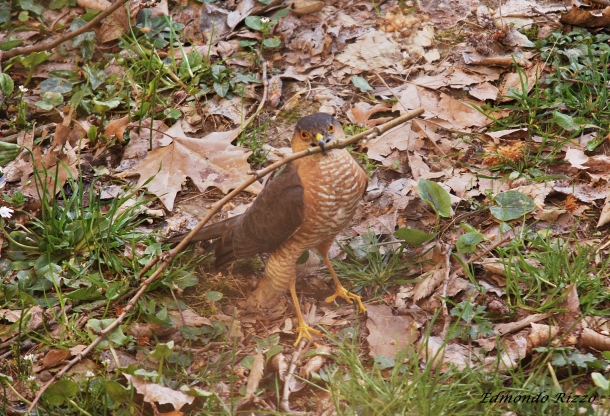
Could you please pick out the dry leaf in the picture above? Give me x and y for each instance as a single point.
(155, 393)
(361, 114)
(209, 161)
(256, 374)
(586, 18)
(388, 333)
(430, 282)
(374, 50)
(53, 358)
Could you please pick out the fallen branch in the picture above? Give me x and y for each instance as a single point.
(50, 45)
(166, 258)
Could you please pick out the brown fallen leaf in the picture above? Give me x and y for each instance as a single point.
(155, 393)
(256, 375)
(52, 359)
(388, 333)
(209, 161)
(585, 18)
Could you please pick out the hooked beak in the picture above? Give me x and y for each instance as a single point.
(321, 140)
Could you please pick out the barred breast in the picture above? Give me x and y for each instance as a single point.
(333, 185)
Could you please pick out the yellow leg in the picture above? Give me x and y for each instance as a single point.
(340, 291)
(303, 329)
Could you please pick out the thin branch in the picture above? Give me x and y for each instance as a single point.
(50, 45)
(166, 258)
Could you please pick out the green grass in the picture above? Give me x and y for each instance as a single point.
(370, 268)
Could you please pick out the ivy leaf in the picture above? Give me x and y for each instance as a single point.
(565, 121)
(361, 84)
(414, 237)
(221, 89)
(468, 242)
(6, 84)
(512, 205)
(254, 22)
(272, 42)
(436, 196)
(55, 84)
(60, 392)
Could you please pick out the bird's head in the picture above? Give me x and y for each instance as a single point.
(316, 130)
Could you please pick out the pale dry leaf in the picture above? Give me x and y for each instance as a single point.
(582, 191)
(453, 77)
(303, 7)
(155, 393)
(598, 168)
(388, 333)
(141, 140)
(256, 375)
(77, 349)
(118, 22)
(232, 109)
(502, 329)
(513, 350)
(541, 335)
(515, 81)
(191, 318)
(116, 128)
(447, 13)
(604, 217)
(94, 4)
(484, 91)
(538, 191)
(10, 315)
(397, 138)
(429, 282)
(576, 158)
(316, 362)
(445, 354)
(374, 50)
(460, 183)
(209, 161)
(279, 364)
(424, 37)
(361, 114)
(592, 339)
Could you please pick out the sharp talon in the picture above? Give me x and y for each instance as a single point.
(349, 297)
(306, 331)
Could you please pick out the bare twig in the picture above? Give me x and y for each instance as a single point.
(50, 45)
(296, 358)
(166, 258)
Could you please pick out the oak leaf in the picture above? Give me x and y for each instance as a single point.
(208, 161)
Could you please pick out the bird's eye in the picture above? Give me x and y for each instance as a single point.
(331, 128)
(304, 135)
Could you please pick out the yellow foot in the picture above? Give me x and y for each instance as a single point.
(343, 293)
(306, 331)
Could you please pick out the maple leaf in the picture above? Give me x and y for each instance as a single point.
(208, 161)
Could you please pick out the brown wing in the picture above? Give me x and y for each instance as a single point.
(273, 217)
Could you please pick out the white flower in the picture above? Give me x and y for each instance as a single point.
(6, 212)
(89, 374)
(106, 362)
(23, 89)
(27, 357)
(264, 20)
(32, 378)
